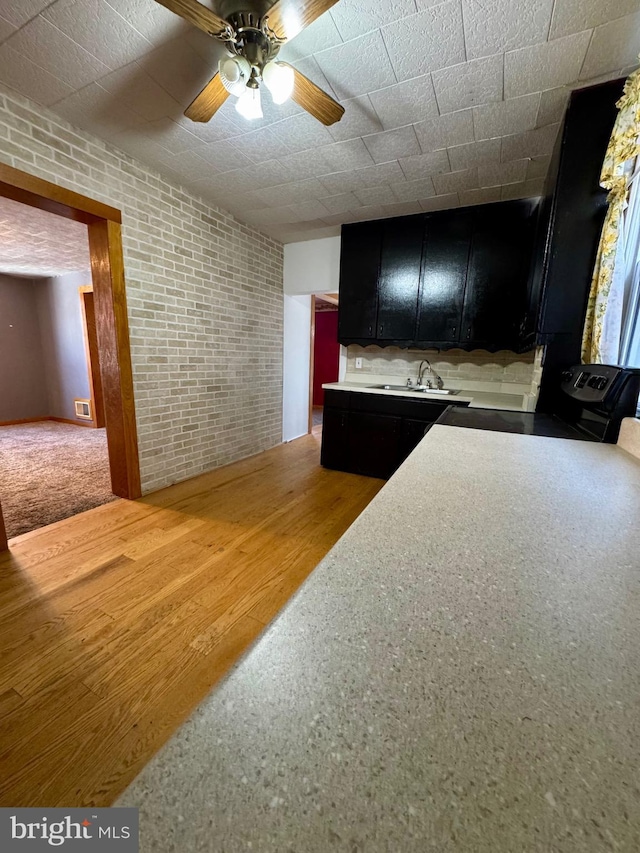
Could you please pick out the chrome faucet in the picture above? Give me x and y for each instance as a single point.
(435, 377)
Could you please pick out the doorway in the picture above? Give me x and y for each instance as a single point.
(107, 316)
(325, 353)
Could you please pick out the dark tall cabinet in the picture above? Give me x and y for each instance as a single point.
(359, 272)
(566, 252)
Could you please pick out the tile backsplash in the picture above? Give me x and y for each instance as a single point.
(505, 372)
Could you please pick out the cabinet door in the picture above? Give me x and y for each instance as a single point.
(374, 444)
(359, 269)
(495, 296)
(445, 259)
(335, 431)
(411, 435)
(399, 277)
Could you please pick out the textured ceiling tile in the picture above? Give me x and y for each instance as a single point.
(141, 93)
(93, 107)
(545, 66)
(18, 12)
(57, 53)
(354, 179)
(228, 183)
(414, 190)
(157, 24)
(222, 127)
(405, 103)
(341, 218)
(481, 196)
(613, 46)
(321, 35)
(384, 173)
(222, 156)
(392, 144)
(307, 210)
(187, 164)
(359, 119)
(440, 202)
(513, 116)
(374, 195)
(99, 29)
(269, 174)
(293, 193)
(454, 182)
(357, 67)
(352, 154)
(474, 154)
(445, 131)
(304, 164)
(469, 84)
(401, 208)
(19, 73)
(494, 175)
(572, 16)
(553, 104)
(353, 18)
(370, 211)
(34, 242)
(527, 189)
(537, 167)
(301, 132)
(340, 203)
(534, 143)
(262, 145)
(433, 163)
(6, 29)
(178, 71)
(495, 26)
(432, 39)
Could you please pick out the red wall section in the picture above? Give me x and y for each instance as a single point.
(326, 353)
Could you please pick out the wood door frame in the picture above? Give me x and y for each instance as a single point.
(92, 353)
(112, 326)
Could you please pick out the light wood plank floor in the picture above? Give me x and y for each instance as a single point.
(114, 624)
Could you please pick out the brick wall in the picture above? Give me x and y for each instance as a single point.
(204, 295)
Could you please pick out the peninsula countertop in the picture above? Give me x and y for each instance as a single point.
(460, 673)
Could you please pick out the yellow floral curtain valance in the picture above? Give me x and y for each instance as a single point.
(601, 338)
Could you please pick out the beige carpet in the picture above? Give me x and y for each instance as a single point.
(49, 471)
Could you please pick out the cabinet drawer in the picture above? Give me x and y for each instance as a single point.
(337, 399)
(427, 410)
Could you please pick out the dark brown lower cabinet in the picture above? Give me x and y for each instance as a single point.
(372, 434)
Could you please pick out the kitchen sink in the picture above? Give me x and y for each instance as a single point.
(422, 389)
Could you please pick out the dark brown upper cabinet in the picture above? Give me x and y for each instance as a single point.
(496, 293)
(447, 245)
(456, 278)
(400, 262)
(359, 273)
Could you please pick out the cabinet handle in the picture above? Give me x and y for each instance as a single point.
(371, 331)
(381, 328)
(453, 331)
(468, 332)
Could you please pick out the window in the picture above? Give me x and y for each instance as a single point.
(630, 336)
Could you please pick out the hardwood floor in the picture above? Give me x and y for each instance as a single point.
(114, 624)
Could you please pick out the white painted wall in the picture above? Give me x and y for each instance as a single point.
(312, 266)
(297, 351)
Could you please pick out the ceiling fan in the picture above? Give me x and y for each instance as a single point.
(253, 40)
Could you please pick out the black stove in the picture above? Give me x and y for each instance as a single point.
(591, 403)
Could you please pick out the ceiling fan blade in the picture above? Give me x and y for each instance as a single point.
(197, 14)
(312, 99)
(208, 101)
(289, 17)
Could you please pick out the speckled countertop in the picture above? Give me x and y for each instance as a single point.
(476, 399)
(461, 673)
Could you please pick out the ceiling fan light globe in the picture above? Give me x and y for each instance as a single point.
(235, 72)
(279, 80)
(249, 105)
